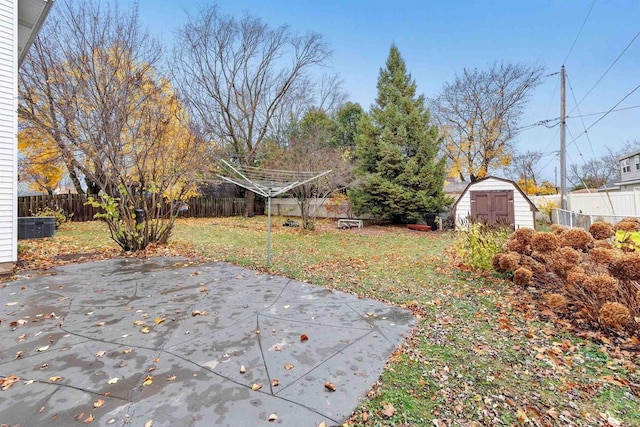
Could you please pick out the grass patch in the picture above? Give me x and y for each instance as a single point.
(477, 357)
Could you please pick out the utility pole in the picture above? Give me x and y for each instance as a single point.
(563, 148)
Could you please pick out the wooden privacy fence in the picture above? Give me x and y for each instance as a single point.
(199, 207)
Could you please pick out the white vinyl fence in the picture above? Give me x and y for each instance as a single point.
(585, 208)
(578, 220)
(620, 203)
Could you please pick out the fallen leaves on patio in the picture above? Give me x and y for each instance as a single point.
(147, 381)
(256, 387)
(98, 403)
(8, 381)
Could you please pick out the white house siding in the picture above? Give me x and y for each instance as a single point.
(523, 216)
(8, 129)
(633, 174)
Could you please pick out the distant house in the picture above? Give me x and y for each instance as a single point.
(455, 188)
(629, 171)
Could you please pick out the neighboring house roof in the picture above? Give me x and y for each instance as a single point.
(630, 182)
(627, 156)
(218, 189)
(455, 187)
(533, 206)
(31, 16)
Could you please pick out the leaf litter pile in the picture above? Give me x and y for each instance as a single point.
(482, 353)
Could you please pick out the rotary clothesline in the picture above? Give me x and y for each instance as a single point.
(267, 183)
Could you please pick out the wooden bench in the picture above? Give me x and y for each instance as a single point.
(349, 223)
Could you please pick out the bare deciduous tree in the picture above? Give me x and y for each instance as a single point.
(305, 155)
(240, 75)
(525, 166)
(90, 83)
(478, 114)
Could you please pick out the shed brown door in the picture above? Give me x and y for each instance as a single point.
(493, 207)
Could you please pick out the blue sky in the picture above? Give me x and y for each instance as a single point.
(437, 39)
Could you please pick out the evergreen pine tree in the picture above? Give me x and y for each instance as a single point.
(401, 176)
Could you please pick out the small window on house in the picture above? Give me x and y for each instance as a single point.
(626, 168)
(637, 162)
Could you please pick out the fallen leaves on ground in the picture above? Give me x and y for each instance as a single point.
(388, 410)
(476, 340)
(8, 381)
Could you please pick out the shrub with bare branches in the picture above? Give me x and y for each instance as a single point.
(597, 283)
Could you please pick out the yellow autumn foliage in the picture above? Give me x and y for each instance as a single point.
(41, 164)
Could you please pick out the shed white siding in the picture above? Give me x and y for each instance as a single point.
(523, 216)
(8, 130)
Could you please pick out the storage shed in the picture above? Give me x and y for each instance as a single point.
(494, 201)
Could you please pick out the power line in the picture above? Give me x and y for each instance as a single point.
(607, 70)
(579, 32)
(607, 113)
(602, 112)
(546, 122)
(581, 119)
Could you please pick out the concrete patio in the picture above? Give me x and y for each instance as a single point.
(162, 340)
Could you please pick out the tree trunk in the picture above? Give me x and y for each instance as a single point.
(249, 209)
(74, 179)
